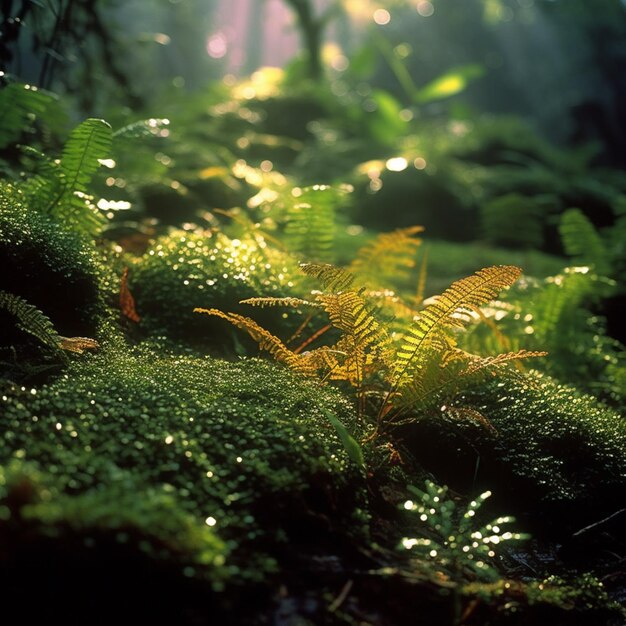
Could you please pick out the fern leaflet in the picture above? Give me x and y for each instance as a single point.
(30, 319)
(582, 242)
(388, 257)
(452, 309)
(334, 279)
(88, 144)
(19, 104)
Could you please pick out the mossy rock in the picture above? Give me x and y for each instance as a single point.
(52, 268)
(185, 270)
(166, 445)
(558, 455)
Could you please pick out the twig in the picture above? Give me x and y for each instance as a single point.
(340, 599)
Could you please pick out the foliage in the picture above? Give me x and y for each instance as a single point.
(457, 544)
(19, 105)
(411, 373)
(388, 258)
(582, 242)
(554, 314)
(513, 220)
(30, 319)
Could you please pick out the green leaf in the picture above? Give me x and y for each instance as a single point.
(88, 144)
(449, 84)
(19, 105)
(582, 241)
(349, 443)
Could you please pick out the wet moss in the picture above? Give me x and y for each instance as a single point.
(241, 448)
(54, 269)
(185, 270)
(556, 449)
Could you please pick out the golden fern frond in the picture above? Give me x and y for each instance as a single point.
(435, 377)
(349, 313)
(266, 340)
(491, 363)
(393, 304)
(388, 256)
(421, 278)
(294, 303)
(452, 309)
(334, 279)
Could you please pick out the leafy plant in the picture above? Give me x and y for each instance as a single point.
(583, 243)
(513, 220)
(19, 104)
(392, 375)
(60, 188)
(455, 542)
(32, 321)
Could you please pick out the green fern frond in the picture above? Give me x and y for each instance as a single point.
(310, 229)
(142, 130)
(30, 319)
(582, 241)
(453, 309)
(294, 303)
(558, 303)
(19, 105)
(334, 279)
(44, 183)
(388, 257)
(34, 322)
(88, 144)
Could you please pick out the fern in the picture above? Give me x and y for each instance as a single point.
(334, 279)
(267, 341)
(30, 319)
(88, 144)
(294, 303)
(310, 229)
(388, 257)
(424, 368)
(582, 242)
(19, 104)
(34, 322)
(142, 130)
(44, 183)
(431, 330)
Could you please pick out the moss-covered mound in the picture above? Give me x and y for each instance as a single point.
(556, 450)
(157, 450)
(54, 269)
(185, 270)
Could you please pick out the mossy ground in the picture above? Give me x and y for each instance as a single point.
(557, 455)
(177, 482)
(185, 270)
(219, 469)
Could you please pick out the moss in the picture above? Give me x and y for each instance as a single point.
(556, 450)
(185, 270)
(54, 269)
(580, 600)
(243, 447)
